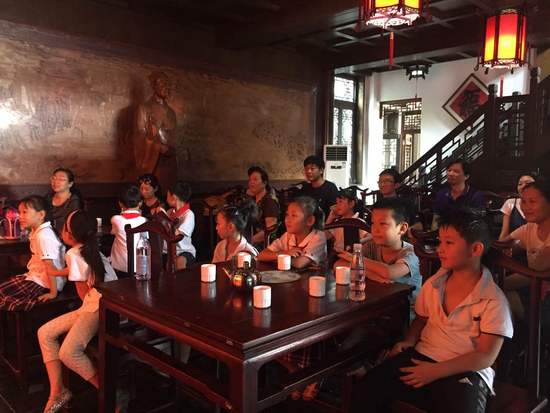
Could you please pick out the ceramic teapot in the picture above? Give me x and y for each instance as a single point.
(245, 279)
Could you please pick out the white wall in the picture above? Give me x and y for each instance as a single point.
(442, 80)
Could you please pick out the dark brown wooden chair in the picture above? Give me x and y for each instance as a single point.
(17, 351)
(424, 243)
(358, 224)
(353, 224)
(160, 229)
(501, 265)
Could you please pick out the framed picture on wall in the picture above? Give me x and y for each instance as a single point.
(469, 96)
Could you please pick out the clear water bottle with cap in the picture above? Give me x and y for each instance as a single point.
(357, 275)
(143, 258)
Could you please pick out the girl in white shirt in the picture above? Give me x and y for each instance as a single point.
(345, 208)
(534, 237)
(87, 267)
(304, 240)
(306, 243)
(231, 221)
(23, 291)
(178, 196)
(513, 216)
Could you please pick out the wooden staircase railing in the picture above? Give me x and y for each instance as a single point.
(497, 136)
(466, 140)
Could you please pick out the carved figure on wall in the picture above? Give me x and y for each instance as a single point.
(154, 139)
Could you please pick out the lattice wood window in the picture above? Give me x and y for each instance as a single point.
(344, 130)
(402, 124)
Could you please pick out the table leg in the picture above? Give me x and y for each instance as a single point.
(243, 388)
(108, 355)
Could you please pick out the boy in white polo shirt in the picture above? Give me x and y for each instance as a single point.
(444, 362)
(129, 201)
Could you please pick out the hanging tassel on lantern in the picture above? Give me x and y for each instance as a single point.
(391, 49)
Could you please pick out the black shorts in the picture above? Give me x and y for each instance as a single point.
(461, 393)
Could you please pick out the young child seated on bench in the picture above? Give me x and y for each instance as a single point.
(23, 291)
(444, 362)
(87, 267)
(231, 222)
(129, 201)
(344, 238)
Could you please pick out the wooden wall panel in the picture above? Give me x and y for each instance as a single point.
(65, 107)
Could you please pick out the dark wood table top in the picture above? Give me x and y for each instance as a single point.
(222, 313)
(14, 246)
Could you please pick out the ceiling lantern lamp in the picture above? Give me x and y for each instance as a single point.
(417, 71)
(385, 13)
(505, 40)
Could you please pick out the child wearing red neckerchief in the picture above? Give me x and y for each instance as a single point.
(129, 201)
(178, 198)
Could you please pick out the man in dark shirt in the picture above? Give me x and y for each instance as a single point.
(325, 192)
(457, 194)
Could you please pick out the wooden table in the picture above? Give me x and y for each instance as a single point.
(222, 323)
(14, 246)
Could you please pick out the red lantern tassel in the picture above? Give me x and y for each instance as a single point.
(391, 49)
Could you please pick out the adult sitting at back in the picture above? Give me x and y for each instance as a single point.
(390, 187)
(149, 188)
(513, 216)
(64, 198)
(268, 207)
(316, 187)
(457, 193)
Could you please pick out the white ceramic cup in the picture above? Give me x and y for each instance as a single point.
(317, 286)
(342, 275)
(99, 222)
(283, 262)
(262, 296)
(208, 273)
(243, 257)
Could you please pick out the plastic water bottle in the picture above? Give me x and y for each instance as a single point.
(357, 275)
(143, 258)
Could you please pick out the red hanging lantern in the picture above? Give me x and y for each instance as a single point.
(384, 13)
(505, 40)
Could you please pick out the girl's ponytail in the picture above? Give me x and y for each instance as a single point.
(84, 230)
(241, 215)
(311, 207)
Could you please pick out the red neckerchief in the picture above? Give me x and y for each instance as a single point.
(130, 215)
(180, 212)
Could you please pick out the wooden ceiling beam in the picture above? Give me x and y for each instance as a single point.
(488, 6)
(463, 13)
(352, 39)
(399, 60)
(260, 5)
(297, 19)
(424, 43)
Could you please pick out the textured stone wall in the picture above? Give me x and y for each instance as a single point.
(61, 106)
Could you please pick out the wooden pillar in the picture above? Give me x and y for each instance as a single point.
(532, 122)
(323, 123)
(491, 126)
